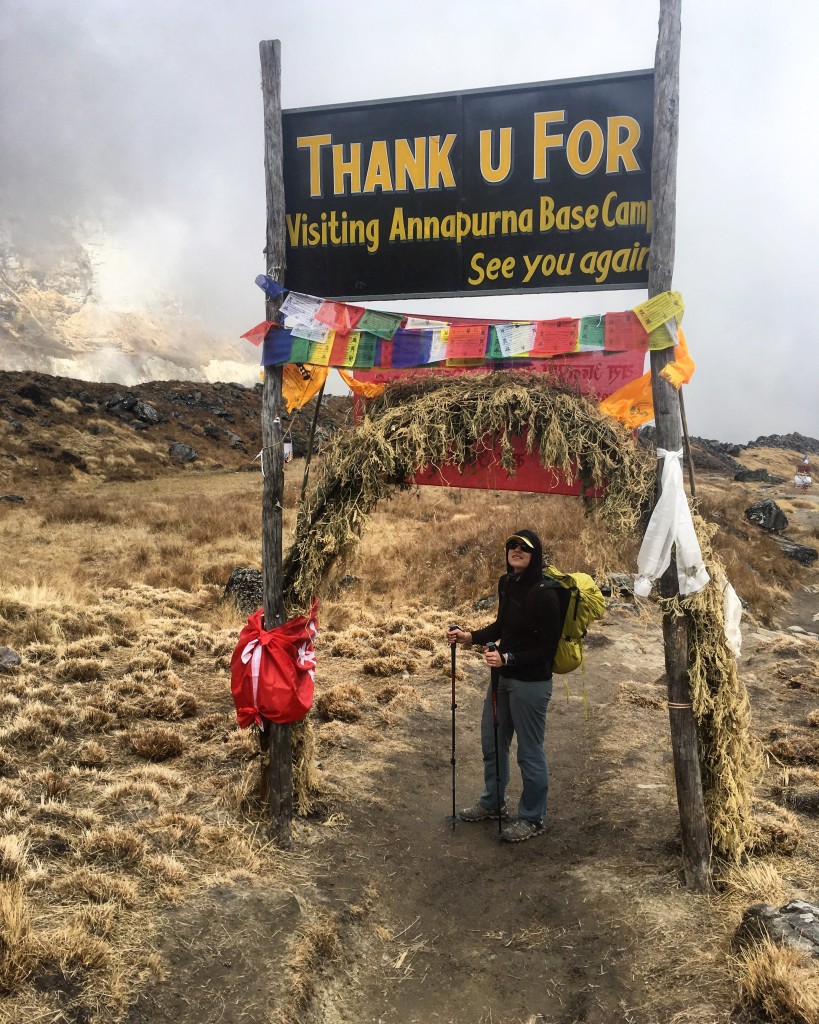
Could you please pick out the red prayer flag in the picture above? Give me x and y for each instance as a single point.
(256, 334)
(467, 341)
(625, 333)
(555, 337)
(339, 315)
(339, 349)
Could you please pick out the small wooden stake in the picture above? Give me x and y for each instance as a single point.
(274, 740)
(684, 743)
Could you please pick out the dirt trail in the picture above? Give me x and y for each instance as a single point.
(492, 931)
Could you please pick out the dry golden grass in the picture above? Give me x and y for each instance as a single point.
(344, 702)
(755, 881)
(156, 743)
(125, 642)
(777, 829)
(779, 983)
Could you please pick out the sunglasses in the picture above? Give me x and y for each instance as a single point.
(519, 546)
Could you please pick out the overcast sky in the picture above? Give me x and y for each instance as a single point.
(146, 117)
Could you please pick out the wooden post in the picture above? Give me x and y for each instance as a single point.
(277, 765)
(693, 821)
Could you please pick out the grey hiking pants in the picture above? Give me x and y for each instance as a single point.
(522, 712)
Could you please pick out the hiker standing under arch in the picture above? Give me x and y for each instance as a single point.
(526, 632)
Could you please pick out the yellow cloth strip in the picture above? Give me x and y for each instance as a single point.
(633, 404)
(364, 388)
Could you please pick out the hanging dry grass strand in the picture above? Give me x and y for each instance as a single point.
(729, 756)
(438, 420)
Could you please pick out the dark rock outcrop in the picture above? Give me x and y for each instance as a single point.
(767, 515)
(791, 442)
(801, 552)
(795, 924)
(745, 476)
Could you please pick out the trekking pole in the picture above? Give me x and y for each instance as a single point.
(494, 676)
(453, 649)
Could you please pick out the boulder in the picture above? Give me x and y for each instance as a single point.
(246, 589)
(183, 452)
(795, 924)
(767, 515)
(9, 659)
(145, 412)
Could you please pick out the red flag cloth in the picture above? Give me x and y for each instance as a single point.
(271, 671)
(256, 334)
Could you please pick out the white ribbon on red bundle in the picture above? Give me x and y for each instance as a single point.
(272, 671)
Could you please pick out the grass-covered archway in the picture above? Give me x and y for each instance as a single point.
(435, 421)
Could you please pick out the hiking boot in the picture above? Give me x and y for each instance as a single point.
(480, 813)
(522, 829)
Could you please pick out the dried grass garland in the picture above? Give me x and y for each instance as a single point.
(439, 420)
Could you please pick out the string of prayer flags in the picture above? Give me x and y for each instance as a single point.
(467, 341)
(555, 337)
(271, 288)
(659, 309)
(326, 332)
(624, 333)
(256, 335)
(592, 334)
(384, 325)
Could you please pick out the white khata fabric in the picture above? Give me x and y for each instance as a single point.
(670, 524)
(732, 613)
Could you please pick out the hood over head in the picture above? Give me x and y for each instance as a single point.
(534, 570)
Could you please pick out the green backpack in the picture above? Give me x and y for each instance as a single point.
(584, 604)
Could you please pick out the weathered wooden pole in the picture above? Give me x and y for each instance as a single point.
(277, 765)
(693, 822)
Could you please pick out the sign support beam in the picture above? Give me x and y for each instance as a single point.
(274, 740)
(693, 821)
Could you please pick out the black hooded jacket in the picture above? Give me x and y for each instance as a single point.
(530, 617)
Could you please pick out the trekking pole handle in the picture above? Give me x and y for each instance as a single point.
(452, 627)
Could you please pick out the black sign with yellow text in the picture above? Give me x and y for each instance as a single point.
(541, 187)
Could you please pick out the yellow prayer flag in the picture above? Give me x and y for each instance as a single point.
(660, 309)
(352, 349)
